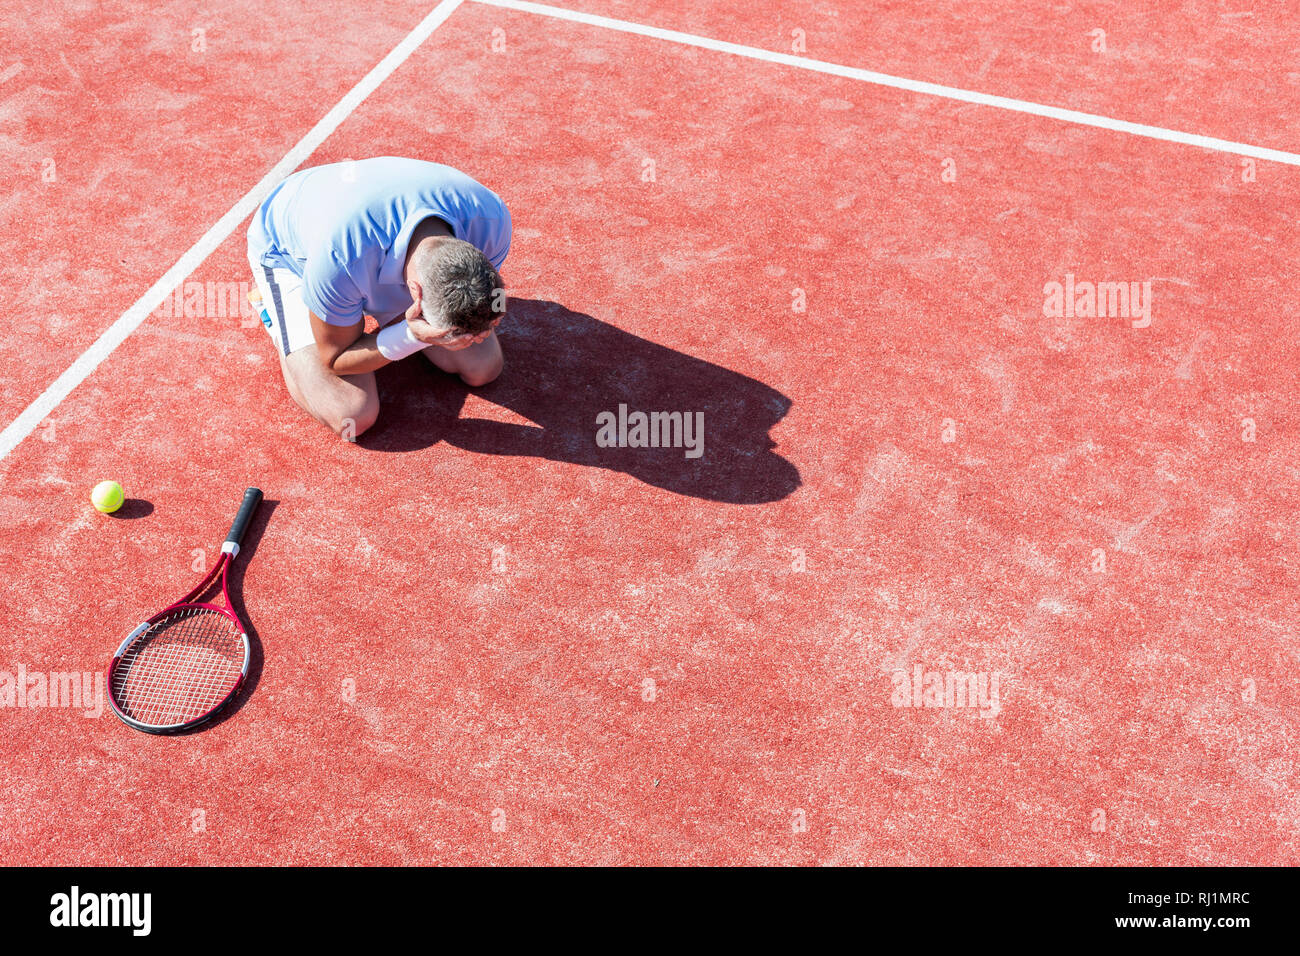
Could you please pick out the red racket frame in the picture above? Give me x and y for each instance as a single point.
(252, 498)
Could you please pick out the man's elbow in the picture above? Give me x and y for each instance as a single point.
(328, 356)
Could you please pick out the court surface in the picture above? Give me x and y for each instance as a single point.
(830, 229)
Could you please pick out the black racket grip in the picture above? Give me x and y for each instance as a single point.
(252, 498)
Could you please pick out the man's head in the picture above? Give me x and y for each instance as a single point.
(459, 289)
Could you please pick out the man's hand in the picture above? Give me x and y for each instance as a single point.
(449, 340)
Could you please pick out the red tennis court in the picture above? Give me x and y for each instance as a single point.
(968, 570)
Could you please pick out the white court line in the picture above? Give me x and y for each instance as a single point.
(899, 83)
(130, 320)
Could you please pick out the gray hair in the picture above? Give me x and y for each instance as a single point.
(462, 290)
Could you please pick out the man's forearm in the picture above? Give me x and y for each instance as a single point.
(363, 355)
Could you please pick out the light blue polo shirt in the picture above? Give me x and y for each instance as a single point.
(344, 228)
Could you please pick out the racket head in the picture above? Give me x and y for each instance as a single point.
(179, 668)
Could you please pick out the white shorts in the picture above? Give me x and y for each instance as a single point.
(282, 299)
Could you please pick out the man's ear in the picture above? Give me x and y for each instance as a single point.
(416, 309)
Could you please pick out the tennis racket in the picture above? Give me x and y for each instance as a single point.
(180, 667)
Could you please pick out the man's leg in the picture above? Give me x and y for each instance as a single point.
(476, 365)
(345, 404)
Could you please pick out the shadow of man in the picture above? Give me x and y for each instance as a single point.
(563, 369)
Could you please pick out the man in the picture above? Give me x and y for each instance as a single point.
(413, 244)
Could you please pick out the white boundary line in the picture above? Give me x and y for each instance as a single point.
(899, 83)
(130, 320)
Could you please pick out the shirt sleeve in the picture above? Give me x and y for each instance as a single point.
(498, 246)
(330, 292)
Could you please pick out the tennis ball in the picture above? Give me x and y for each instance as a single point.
(107, 496)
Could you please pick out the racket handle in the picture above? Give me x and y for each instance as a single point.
(252, 498)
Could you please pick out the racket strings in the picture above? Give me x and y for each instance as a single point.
(181, 668)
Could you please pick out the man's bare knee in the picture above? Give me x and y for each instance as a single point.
(347, 406)
(349, 423)
(484, 374)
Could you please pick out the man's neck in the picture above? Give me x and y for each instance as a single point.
(432, 228)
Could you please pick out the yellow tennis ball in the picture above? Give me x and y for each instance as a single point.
(107, 496)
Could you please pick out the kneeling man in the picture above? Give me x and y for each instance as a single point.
(413, 244)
